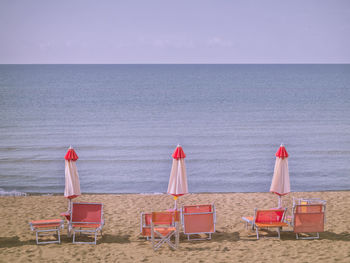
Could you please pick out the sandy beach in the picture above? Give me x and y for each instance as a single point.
(121, 241)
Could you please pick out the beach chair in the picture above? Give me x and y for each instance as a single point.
(265, 219)
(164, 226)
(197, 220)
(309, 218)
(44, 227)
(86, 218)
(145, 222)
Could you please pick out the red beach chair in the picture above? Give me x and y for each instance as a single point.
(308, 218)
(198, 219)
(86, 218)
(164, 225)
(272, 218)
(146, 219)
(44, 227)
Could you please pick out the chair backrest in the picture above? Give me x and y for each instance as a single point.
(269, 216)
(198, 219)
(309, 218)
(86, 213)
(165, 218)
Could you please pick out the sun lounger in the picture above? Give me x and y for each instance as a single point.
(164, 226)
(271, 218)
(44, 227)
(198, 219)
(308, 218)
(86, 218)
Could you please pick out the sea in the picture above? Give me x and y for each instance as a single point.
(125, 121)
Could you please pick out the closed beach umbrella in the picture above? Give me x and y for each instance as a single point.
(72, 186)
(280, 182)
(178, 179)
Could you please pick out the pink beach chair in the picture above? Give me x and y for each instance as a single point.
(198, 219)
(44, 227)
(86, 218)
(308, 218)
(272, 218)
(164, 226)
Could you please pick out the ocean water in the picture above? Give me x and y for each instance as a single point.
(124, 122)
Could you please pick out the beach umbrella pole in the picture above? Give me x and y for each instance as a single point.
(175, 198)
(69, 205)
(279, 201)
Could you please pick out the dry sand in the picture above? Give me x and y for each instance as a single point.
(121, 241)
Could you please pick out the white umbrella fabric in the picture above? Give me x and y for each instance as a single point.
(280, 184)
(72, 183)
(178, 178)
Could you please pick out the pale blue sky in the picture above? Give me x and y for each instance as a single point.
(178, 31)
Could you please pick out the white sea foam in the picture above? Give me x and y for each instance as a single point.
(11, 193)
(151, 193)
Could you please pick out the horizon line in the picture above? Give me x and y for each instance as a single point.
(341, 63)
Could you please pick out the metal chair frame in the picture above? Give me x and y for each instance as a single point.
(158, 242)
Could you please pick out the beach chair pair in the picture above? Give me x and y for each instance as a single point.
(306, 219)
(160, 227)
(84, 218)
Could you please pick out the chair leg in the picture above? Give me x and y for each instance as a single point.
(59, 236)
(308, 237)
(152, 237)
(177, 236)
(257, 232)
(164, 239)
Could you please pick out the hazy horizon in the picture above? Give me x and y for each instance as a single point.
(181, 32)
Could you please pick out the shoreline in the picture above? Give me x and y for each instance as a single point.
(60, 194)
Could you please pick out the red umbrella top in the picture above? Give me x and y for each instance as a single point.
(179, 153)
(282, 152)
(71, 155)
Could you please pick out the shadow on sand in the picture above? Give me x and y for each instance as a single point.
(9, 242)
(106, 238)
(289, 235)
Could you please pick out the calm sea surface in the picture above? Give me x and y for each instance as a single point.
(124, 122)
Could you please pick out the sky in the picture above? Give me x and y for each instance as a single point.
(177, 31)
